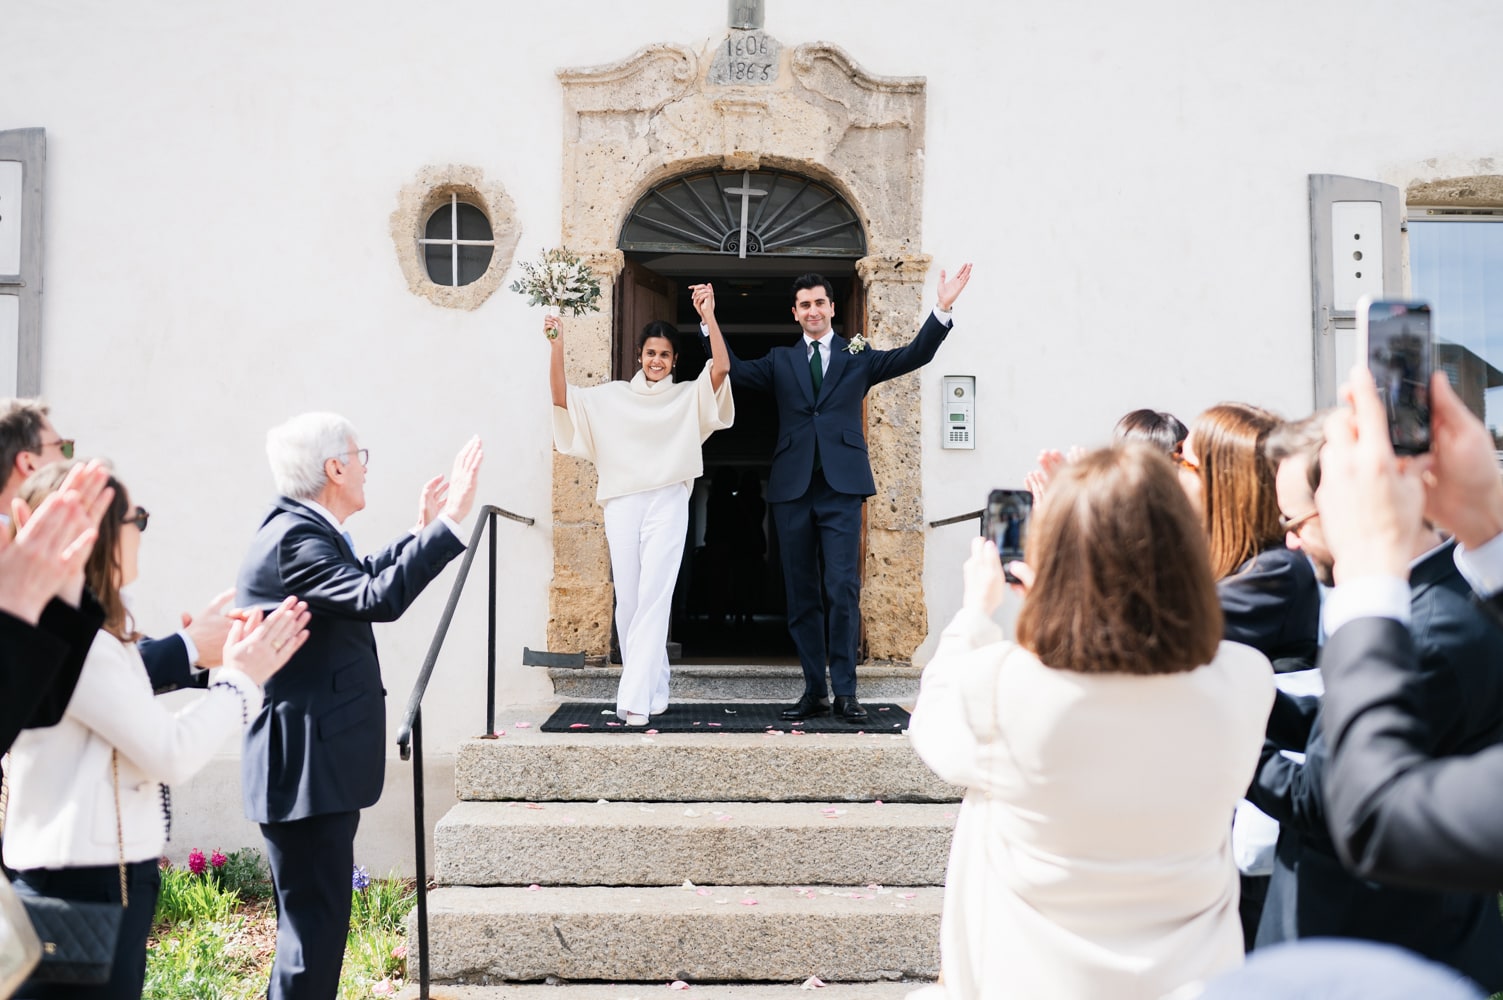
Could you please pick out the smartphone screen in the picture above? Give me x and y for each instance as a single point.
(1005, 521)
(1400, 355)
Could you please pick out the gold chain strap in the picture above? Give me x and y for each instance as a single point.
(119, 828)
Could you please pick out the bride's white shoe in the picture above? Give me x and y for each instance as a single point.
(635, 720)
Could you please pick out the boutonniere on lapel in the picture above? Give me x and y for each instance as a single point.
(856, 345)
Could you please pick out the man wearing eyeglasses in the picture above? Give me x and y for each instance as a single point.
(28, 441)
(1459, 685)
(316, 754)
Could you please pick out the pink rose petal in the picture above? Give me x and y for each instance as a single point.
(812, 983)
(534, 887)
(521, 725)
(678, 984)
(654, 732)
(748, 902)
(579, 725)
(533, 805)
(701, 892)
(907, 895)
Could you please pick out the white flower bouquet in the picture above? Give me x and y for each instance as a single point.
(559, 281)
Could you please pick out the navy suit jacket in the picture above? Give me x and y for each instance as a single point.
(1272, 603)
(1457, 686)
(40, 664)
(834, 419)
(1396, 809)
(319, 743)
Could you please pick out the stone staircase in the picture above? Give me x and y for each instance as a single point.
(723, 858)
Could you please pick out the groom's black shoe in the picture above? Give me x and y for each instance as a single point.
(848, 709)
(808, 706)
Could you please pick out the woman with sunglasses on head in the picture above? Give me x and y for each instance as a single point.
(644, 437)
(90, 810)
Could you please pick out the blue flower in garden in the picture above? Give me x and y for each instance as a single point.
(360, 878)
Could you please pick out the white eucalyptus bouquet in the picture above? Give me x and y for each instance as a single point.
(559, 281)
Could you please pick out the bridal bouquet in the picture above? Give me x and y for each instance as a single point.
(560, 281)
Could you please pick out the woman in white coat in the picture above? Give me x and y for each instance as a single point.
(1102, 752)
(644, 436)
(90, 811)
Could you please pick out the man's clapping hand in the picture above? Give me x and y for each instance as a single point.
(464, 480)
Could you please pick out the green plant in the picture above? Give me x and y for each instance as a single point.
(246, 873)
(188, 897)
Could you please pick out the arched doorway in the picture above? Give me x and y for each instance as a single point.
(750, 232)
(657, 115)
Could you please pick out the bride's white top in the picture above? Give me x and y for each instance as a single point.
(642, 435)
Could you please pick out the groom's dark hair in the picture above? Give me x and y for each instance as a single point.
(804, 281)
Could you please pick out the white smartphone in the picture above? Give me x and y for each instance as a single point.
(1396, 341)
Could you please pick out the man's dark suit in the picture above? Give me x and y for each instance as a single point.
(40, 664)
(819, 509)
(316, 754)
(1458, 689)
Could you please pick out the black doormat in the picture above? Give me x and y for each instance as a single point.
(719, 717)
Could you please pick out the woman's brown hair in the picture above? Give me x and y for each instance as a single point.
(1239, 506)
(102, 571)
(1122, 582)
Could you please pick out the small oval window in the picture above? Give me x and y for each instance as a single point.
(457, 243)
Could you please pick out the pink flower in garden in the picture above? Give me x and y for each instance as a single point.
(217, 859)
(196, 861)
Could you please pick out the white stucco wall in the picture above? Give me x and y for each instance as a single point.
(1129, 181)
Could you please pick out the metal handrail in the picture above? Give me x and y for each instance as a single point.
(410, 735)
(973, 515)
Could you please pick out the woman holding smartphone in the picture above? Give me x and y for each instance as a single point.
(1102, 752)
(644, 437)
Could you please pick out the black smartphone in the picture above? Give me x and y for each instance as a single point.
(1395, 339)
(1004, 520)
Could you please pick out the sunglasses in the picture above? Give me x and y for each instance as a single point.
(64, 445)
(1287, 524)
(139, 518)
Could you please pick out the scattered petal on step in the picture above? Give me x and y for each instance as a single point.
(713, 723)
(878, 802)
(749, 901)
(582, 725)
(613, 723)
(880, 708)
(696, 721)
(652, 732)
(521, 725)
(644, 809)
(534, 887)
(907, 895)
(701, 892)
(691, 813)
(723, 818)
(533, 805)
(678, 984)
(949, 815)
(606, 711)
(873, 885)
(812, 983)
(730, 711)
(687, 884)
(602, 802)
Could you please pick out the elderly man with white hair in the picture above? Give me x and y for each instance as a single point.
(315, 754)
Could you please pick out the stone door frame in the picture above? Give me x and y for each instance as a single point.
(634, 124)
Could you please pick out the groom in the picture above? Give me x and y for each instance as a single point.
(821, 476)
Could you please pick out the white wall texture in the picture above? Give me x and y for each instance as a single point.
(1129, 180)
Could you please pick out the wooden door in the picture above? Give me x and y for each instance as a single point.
(641, 297)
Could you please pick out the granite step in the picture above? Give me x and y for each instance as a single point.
(635, 991)
(716, 933)
(664, 843)
(738, 682)
(530, 766)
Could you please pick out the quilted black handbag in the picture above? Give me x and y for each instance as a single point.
(79, 938)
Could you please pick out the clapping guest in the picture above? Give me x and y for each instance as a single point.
(1102, 752)
(89, 811)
